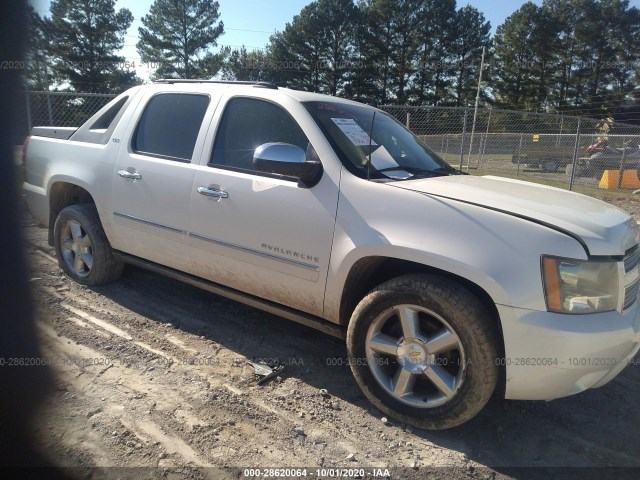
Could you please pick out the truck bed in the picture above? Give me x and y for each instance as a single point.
(62, 133)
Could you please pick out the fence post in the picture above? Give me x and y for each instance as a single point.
(49, 108)
(463, 137)
(408, 119)
(560, 134)
(27, 96)
(621, 170)
(576, 147)
(483, 145)
(519, 154)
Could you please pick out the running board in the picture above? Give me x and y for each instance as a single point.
(294, 315)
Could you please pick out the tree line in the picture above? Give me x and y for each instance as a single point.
(568, 56)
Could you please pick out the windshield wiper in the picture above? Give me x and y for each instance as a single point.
(436, 172)
(451, 170)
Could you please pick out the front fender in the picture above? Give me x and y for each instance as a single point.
(497, 252)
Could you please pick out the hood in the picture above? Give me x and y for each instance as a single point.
(601, 228)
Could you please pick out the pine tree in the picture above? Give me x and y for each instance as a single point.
(38, 71)
(83, 38)
(178, 36)
(315, 51)
(393, 34)
(472, 32)
(515, 58)
(436, 33)
(242, 64)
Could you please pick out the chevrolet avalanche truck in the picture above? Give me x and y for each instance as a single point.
(447, 287)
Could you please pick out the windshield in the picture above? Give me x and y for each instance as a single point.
(395, 152)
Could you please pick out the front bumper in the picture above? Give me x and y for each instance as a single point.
(550, 355)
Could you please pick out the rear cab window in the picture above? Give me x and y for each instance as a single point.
(99, 128)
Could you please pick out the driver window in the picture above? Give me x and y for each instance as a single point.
(246, 124)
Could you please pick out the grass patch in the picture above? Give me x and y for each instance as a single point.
(454, 158)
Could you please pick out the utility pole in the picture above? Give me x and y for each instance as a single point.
(475, 111)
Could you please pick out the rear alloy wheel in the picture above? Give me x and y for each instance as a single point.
(423, 350)
(82, 248)
(77, 250)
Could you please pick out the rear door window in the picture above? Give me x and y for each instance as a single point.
(169, 125)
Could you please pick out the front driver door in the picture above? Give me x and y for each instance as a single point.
(260, 234)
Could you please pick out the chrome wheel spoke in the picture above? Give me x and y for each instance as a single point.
(381, 343)
(67, 244)
(409, 322)
(85, 241)
(87, 259)
(68, 256)
(403, 382)
(78, 264)
(443, 380)
(442, 342)
(76, 231)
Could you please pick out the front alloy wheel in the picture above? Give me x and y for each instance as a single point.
(415, 355)
(423, 350)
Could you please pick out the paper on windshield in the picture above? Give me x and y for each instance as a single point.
(381, 158)
(353, 131)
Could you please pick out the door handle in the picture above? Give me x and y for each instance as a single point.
(212, 192)
(128, 174)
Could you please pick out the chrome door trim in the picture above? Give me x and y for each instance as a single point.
(242, 248)
(235, 246)
(289, 313)
(148, 222)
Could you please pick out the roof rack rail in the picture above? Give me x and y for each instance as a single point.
(227, 82)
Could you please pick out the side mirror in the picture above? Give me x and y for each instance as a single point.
(288, 160)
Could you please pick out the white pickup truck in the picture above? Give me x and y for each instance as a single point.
(447, 287)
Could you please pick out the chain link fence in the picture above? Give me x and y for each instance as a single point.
(575, 153)
(62, 109)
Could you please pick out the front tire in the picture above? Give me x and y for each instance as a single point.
(423, 350)
(82, 248)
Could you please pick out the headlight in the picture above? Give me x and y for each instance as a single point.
(578, 286)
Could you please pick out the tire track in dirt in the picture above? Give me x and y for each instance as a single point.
(320, 436)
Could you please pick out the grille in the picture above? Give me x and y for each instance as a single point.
(631, 259)
(631, 294)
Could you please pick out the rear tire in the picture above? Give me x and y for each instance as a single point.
(423, 349)
(82, 248)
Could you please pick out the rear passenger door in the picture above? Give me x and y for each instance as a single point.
(262, 234)
(153, 176)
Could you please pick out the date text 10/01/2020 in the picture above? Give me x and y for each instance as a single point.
(315, 472)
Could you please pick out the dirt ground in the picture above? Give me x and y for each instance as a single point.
(150, 372)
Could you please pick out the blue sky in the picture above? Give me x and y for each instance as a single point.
(251, 22)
